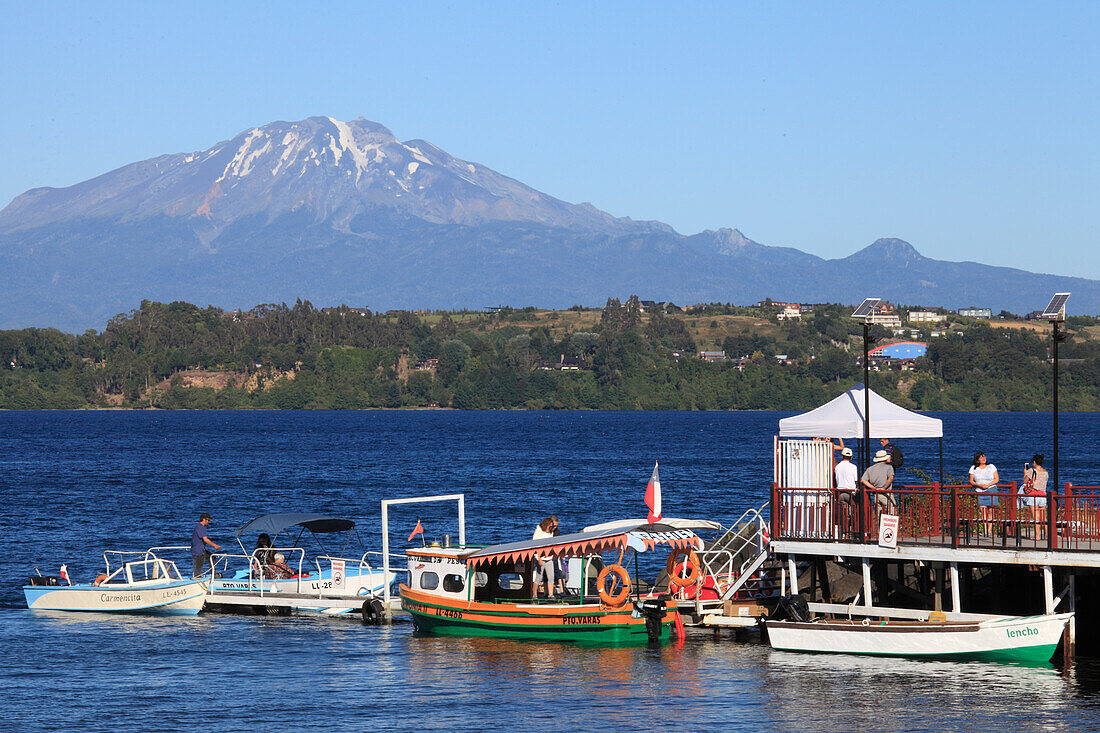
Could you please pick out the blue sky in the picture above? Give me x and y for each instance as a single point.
(969, 130)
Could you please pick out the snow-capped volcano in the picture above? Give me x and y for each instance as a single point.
(344, 212)
(334, 170)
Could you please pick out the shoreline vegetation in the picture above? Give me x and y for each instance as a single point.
(630, 355)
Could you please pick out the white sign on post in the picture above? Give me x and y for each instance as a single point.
(338, 574)
(888, 530)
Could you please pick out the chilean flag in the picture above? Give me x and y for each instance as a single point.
(65, 574)
(653, 496)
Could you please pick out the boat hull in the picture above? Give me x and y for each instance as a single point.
(591, 623)
(1027, 639)
(368, 584)
(184, 598)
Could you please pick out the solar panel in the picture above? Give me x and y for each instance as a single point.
(1056, 309)
(866, 308)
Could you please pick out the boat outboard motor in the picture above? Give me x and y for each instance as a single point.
(791, 608)
(653, 611)
(372, 612)
(44, 580)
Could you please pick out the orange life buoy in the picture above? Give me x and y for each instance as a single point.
(619, 598)
(100, 578)
(692, 563)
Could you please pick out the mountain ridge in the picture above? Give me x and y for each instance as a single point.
(345, 212)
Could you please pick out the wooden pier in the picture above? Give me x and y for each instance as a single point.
(941, 543)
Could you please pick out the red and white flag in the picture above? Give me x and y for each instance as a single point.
(65, 574)
(653, 496)
(419, 529)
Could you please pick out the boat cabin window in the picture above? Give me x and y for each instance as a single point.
(481, 579)
(510, 581)
(453, 583)
(429, 581)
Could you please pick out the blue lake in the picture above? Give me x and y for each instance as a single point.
(73, 484)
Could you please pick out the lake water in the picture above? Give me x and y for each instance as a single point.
(73, 484)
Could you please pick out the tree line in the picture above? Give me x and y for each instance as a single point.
(301, 357)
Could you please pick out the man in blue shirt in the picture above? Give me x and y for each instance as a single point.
(199, 541)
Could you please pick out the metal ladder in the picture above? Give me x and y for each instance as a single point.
(739, 553)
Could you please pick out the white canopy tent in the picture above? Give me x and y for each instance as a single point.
(843, 418)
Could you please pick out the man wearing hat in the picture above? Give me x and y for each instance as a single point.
(199, 541)
(880, 475)
(846, 475)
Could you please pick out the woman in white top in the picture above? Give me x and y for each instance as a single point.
(984, 478)
(544, 567)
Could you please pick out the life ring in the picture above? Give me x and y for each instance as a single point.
(100, 578)
(692, 562)
(619, 598)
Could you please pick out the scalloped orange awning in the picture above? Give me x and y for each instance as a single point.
(676, 539)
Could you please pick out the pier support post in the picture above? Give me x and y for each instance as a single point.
(956, 604)
(1048, 589)
(1069, 635)
(792, 568)
(867, 582)
(938, 570)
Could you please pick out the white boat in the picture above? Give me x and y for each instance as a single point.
(322, 575)
(1003, 639)
(139, 582)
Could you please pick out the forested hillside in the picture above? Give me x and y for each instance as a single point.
(177, 356)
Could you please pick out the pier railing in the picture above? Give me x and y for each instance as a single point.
(950, 516)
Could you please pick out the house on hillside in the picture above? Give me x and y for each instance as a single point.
(973, 312)
(713, 356)
(926, 317)
(882, 315)
(790, 312)
(564, 364)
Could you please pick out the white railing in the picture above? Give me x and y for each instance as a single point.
(256, 578)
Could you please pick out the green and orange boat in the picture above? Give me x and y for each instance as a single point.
(490, 591)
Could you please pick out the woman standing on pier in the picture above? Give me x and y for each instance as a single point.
(1035, 490)
(984, 478)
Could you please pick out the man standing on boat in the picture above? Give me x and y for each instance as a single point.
(199, 541)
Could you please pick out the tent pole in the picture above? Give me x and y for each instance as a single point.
(941, 462)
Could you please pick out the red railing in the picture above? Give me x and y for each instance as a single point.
(951, 516)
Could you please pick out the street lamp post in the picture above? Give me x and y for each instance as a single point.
(1055, 312)
(866, 396)
(1059, 335)
(865, 310)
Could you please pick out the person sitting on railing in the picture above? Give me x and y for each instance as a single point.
(878, 477)
(984, 478)
(1035, 489)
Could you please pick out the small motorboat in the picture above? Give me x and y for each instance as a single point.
(491, 592)
(321, 575)
(136, 582)
(1026, 639)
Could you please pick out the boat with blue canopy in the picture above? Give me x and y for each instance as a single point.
(284, 566)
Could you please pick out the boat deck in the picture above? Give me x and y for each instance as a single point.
(290, 601)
